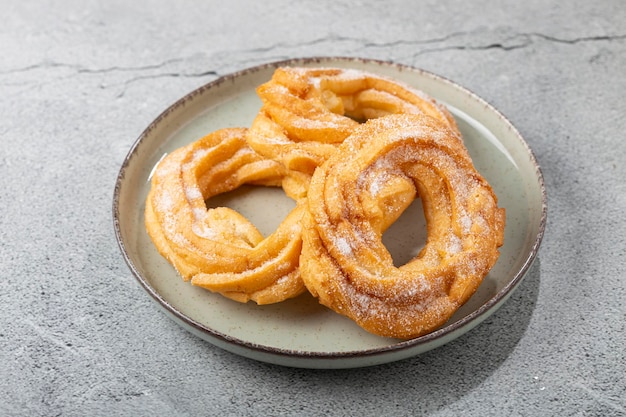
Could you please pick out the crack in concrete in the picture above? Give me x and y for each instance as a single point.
(580, 39)
(129, 81)
(504, 46)
(125, 69)
(173, 75)
(512, 42)
(524, 39)
(34, 67)
(84, 70)
(78, 69)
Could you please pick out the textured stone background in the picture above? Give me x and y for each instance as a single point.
(80, 80)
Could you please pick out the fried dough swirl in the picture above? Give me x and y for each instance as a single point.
(219, 249)
(344, 262)
(308, 112)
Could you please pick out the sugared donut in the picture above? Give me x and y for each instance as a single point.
(344, 262)
(219, 249)
(308, 112)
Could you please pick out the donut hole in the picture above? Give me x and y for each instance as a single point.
(265, 207)
(366, 103)
(351, 107)
(406, 237)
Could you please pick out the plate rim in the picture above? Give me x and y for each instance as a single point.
(270, 353)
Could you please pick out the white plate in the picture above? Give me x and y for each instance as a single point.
(300, 332)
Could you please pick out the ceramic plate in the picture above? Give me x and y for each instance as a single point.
(300, 332)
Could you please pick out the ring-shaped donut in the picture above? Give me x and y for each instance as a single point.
(219, 249)
(344, 262)
(308, 112)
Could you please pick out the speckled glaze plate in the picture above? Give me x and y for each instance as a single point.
(300, 332)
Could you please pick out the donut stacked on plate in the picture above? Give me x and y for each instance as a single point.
(353, 149)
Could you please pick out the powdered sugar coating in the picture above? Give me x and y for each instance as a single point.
(465, 227)
(217, 248)
(308, 112)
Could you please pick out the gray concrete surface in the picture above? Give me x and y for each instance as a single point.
(80, 80)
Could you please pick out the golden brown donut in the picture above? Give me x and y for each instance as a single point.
(344, 262)
(308, 112)
(218, 249)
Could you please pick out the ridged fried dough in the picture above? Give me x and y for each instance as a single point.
(219, 249)
(308, 112)
(344, 262)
